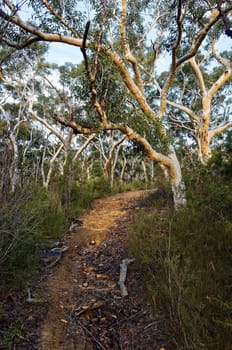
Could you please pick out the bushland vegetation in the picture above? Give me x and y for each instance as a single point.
(119, 108)
(184, 257)
(34, 217)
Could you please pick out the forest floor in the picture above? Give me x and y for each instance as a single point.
(78, 303)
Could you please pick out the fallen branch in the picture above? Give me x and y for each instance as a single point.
(87, 308)
(122, 277)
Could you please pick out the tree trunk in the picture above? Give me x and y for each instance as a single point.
(203, 145)
(179, 194)
(123, 165)
(145, 171)
(205, 148)
(174, 175)
(14, 165)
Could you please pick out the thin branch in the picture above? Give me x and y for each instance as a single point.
(84, 146)
(222, 60)
(219, 130)
(23, 44)
(46, 124)
(184, 109)
(225, 75)
(219, 83)
(61, 19)
(61, 95)
(155, 20)
(180, 123)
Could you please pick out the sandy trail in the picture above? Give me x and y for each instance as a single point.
(74, 284)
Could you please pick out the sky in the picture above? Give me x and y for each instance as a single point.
(60, 53)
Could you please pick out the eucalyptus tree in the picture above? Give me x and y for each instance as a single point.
(116, 49)
(28, 86)
(21, 144)
(200, 100)
(15, 131)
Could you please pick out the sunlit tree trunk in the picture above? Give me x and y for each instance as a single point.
(47, 178)
(203, 133)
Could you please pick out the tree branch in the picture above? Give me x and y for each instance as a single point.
(222, 60)
(219, 130)
(41, 36)
(78, 129)
(133, 88)
(184, 109)
(219, 83)
(130, 58)
(225, 75)
(200, 36)
(61, 19)
(30, 40)
(84, 146)
(180, 123)
(199, 74)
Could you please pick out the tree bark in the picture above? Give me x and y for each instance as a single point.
(177, 183)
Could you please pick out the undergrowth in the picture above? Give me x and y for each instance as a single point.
(184, 258)
(28, 217)
(35, 216)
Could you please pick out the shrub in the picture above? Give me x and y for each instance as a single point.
(27, 218)
(185, 258)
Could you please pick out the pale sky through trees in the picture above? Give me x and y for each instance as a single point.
(60, 53)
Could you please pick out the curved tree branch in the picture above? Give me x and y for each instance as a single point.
(41, 36)
(219, 130)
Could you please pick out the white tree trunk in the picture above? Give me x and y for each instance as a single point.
(14, 165)
(177, 183)
(145, 171)
(123, 164)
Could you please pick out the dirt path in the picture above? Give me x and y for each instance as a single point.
(85, 310)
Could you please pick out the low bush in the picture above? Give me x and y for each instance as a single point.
(185, 260)
(28, 218)
(81, 196)
(136, 185)
(35, 216)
